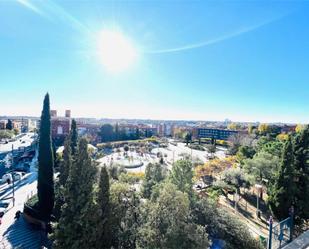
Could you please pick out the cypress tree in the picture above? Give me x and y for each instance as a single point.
(9, 125)
(73, 137)
(76, 226)
(65, 166)
(46, 163)
(301, 152)
(67, 162)
(154, 174)
(103, 228)
(282, 192)
(117, 132)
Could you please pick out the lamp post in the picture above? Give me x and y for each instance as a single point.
(258, 188)
(13, 189)
(13, 180)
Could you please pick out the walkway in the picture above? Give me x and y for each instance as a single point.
(21, 235)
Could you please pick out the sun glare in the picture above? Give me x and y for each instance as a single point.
(115, 51)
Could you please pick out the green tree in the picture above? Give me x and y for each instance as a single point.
(154, 174)
(5, 134)
(103, 230)
(262, 166)
(73, 137)
(107, 133)
(188, 138)
(46, 163)
(236, 178)
(9, 125)
(299, 128)
(234, 126)
(244, 152)
(125, 215)
(282, 191)
(263, 129)
(117, 133)
(65, 166)
(301, 153)
(76, 227)
(167, 222)
(222, 225)
(181, 175)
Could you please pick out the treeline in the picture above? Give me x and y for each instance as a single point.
(109, 133)
(98, 208)
(280, 163)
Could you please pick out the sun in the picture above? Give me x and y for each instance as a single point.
(116, 51)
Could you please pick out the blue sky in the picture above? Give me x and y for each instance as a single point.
(202, 60)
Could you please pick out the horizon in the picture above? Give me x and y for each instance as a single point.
(152, 119)
(242, 61)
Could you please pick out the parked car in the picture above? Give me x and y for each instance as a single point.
(5, 205)
(7, 178)
(17, 176)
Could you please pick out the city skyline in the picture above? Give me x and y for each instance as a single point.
(245, 61)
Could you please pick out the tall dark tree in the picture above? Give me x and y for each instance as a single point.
(46, 163)
(301, 152)
(117, 134)
(9, 125)
(282, 192)
(106, 133)
(103, 236)
(73, 137)
(154, 174)
(76, 227)
(188, 138)
(66, 164)
(181, 176)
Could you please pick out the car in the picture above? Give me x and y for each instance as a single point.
(7, 178)
(5, 205)
(17, 176)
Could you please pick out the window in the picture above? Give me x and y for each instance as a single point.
(59, 130)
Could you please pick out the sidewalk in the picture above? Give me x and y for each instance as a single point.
(256, 227)
(23, 236)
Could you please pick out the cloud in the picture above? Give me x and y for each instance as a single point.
(217, 39)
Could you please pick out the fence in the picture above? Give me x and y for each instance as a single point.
(281, 233)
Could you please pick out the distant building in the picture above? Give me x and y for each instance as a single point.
(53, 113)
(60, 127)
(148, 131)
(3, 124)
(161, 130)
(164, 130)
(288, 128)
(91, 130)
(28, 124)
(68, 113)
(219, 134)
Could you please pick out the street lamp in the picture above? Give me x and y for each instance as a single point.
(258, 188)
(13, 188)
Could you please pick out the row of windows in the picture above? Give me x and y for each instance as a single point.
(217, 134)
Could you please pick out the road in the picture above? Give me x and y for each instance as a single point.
(24, 189)
(22, 140)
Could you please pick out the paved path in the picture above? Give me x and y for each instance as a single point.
(21, 235)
